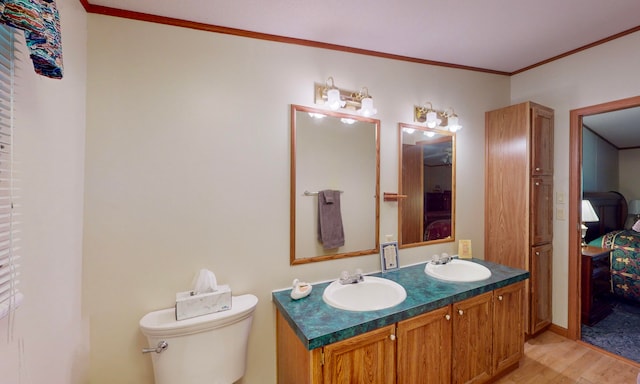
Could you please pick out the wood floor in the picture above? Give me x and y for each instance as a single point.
(550, 358)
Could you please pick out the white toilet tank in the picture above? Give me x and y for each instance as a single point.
(209, 349)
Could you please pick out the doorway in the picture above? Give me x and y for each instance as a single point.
(575, 199)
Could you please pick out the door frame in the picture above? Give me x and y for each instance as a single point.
(575, 202)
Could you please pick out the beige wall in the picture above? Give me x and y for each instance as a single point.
(603, 73)
(50, 338)
(188, 168)
(629, 182)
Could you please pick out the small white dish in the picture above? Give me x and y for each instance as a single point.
(300, 289)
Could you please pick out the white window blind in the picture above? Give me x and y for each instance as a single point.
(10, 296)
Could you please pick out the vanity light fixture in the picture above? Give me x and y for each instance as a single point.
(434, 118)
(427, 115)
(335, 98)
(366, 103)
(452, 120)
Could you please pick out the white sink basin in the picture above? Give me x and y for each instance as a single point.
(458, 271)
(372, 294)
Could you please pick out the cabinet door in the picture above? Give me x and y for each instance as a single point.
(540, 283)
(541, 210)
(541, 140)
(508, 331)
(369, 358)
(472, 339)
(424, 348)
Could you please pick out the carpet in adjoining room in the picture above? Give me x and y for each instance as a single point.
(617, 333)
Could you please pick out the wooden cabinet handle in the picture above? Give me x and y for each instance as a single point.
(537, 168)
(537, 183)
(392, 337)
(500, 297)
(447, 316)
(537, 253)
(460, 312)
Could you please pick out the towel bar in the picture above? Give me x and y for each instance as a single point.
(388, 196)
(307, 193)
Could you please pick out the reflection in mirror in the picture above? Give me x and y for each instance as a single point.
(427, 179)
(337, 152)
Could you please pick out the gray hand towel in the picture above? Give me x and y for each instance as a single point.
(330, 231)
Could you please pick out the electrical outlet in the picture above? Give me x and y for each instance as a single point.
(560, 213)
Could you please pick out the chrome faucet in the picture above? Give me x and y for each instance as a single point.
(442, 259)
(346, 278)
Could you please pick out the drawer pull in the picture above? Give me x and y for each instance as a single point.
(500, 297)
(460, 312)
(537, 183)
(447, 316)
(392, 337)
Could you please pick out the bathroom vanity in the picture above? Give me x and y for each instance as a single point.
(443, 332)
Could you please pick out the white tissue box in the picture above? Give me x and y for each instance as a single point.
(189, 305)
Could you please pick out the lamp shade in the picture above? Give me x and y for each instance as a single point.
(432, 119)
(588, 213)
(454, 126)
(367, 107)
(634, 207)
(333, 99)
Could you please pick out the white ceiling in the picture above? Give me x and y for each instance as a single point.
(496, 35)
(621, 128)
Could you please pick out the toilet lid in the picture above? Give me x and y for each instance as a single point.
(164, 323)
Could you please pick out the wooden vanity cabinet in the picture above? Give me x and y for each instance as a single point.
(424, 348)
(508, 327)
(470, 341)
(519, 200)
(369, 358)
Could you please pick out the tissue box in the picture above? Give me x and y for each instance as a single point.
(189, 305)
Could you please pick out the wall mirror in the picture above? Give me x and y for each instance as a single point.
(338, 152)
(427, 178)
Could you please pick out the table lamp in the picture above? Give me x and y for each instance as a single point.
(588, 216)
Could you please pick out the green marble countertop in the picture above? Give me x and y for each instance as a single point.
(318, 324)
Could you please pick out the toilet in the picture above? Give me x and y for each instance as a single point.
(208, 349)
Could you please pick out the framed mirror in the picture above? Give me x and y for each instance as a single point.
(427, 178)
(335, 160)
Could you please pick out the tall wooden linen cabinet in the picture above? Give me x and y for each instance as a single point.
(519, 200)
